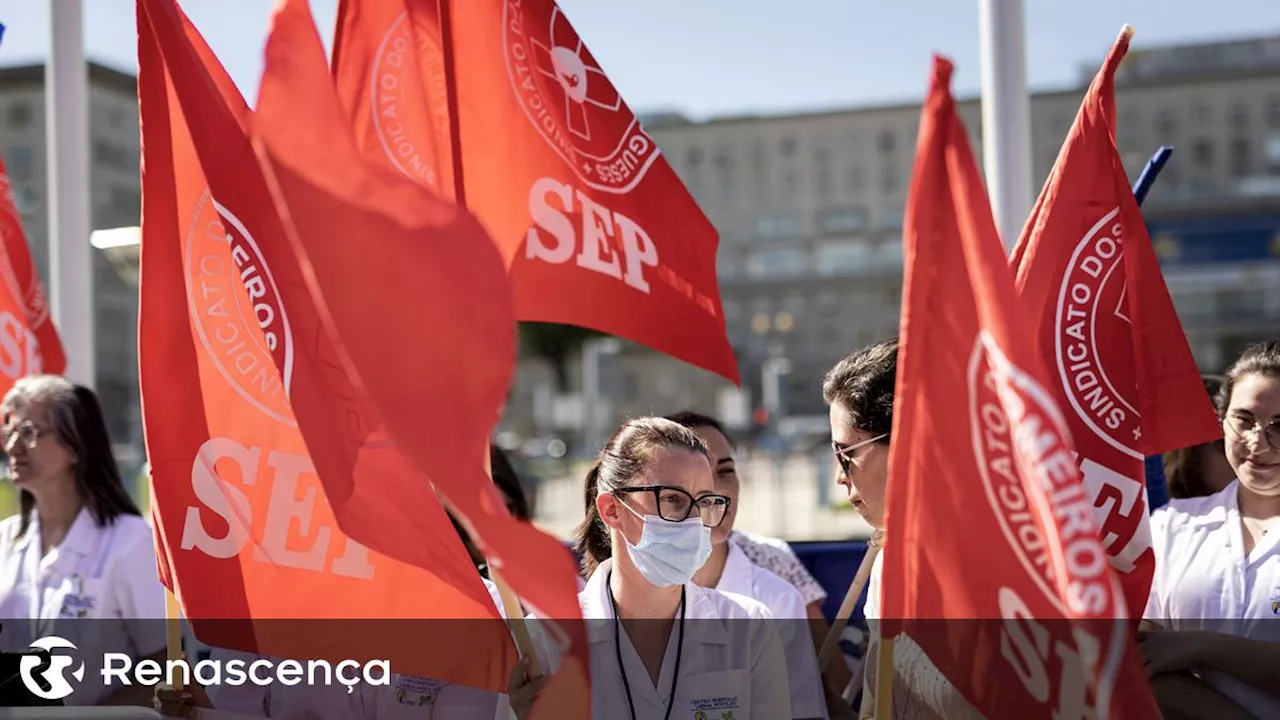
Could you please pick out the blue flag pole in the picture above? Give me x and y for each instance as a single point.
(1157, 484)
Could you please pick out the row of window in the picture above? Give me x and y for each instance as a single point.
(829, 258)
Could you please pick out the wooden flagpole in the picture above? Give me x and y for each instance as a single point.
(832, 643)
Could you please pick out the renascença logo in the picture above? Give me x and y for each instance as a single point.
(120, 669)
(55, 675)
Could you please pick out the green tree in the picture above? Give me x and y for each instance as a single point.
(556, 344)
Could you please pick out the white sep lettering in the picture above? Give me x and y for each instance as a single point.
(550, 204)
(230, 503)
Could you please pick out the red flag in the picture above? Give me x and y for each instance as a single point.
(278, 492)
(593, 223)
(29, 343)
(1107, 330)
(412, 312)
(982, 457)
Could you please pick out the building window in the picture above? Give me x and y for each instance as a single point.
(886, 141)
(843, 257)
(1272, 152)
(20, 115)
(17, 160)
(891, 218)
(1203, 115)
(115, 157)
(724, 160)
(773, 227)
(889, 180)
(786, 262)
(1240, 117)
(788, 147)
(857, 180)
(1240, 157)
(842, 220)
(791, 184)
(1202, 153)
(1273, 112)
(822, 180)
(695, 157)
(1167, 124)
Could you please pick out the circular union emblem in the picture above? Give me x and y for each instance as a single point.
(1023, 452)
(1099, 375)
(410, 130)
(236, 309)
(569, 99)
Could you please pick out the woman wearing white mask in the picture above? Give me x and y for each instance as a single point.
(1216, 592)
(730, 571)
(660, 645)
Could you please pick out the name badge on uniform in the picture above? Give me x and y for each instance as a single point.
(412, 690)
(715, 708)
(77, 603)
(1275, 598)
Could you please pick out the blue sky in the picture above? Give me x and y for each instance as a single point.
(717, 57)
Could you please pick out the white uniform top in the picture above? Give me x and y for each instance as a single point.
(732, 661)
(104, 574)
(406, 698)
(920, 690)
(1203, 581)
(742, 577)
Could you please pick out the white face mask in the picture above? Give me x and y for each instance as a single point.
(669, 553)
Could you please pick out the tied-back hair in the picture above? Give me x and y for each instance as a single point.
(624, 458)
(863, 384)
(1184, 467)
(1260, 359)
(75, 416)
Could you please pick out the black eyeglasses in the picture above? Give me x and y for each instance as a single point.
(1244, 429)
(844, 454)
(677, 505)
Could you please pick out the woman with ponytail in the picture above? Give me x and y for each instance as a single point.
(661, 646)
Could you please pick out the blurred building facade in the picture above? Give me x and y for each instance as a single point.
(809, 208)
(116, 199)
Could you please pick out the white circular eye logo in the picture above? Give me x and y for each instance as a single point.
(570, 100)
(55, 676)
(236, 309)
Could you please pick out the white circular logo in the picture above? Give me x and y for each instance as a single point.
(414, 134)
(54, 677)
(1023, 450)
(569, 99)
(1099, 376)
(236, 309)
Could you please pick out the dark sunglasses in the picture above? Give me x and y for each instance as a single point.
(844, 453)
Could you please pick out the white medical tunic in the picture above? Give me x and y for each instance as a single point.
(732, 664)
(1204, 581)
(786, 604)
(98, 589)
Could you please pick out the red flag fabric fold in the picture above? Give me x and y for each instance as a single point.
(594, 225)
(278, 491)
(422, 312)
(29, 343)
(982, 457)
(1108, 331)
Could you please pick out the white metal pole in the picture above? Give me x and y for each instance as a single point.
(67, 131)
(1006, 114)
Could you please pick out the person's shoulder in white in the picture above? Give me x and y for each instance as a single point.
(730, 605)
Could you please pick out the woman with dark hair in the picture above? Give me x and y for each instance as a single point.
(79, 549)
(1202, 469)
(730, 570)
(1216, 593)
(662, 646)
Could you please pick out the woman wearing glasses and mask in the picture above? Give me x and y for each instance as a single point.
(661, 646)
(78, 560)
(1216, 592)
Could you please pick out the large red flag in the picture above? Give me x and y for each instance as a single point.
(982, 458)
(278, 493)
(1107, 330)
(594, 224)
(426, 279)
(29, 343)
